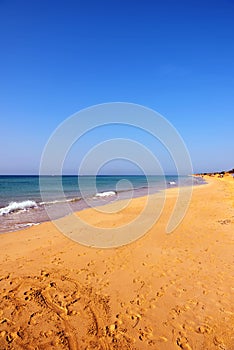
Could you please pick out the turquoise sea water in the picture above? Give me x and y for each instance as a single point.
(23, 201)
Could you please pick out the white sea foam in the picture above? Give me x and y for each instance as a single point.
(56, 201)
(16, 206)
(172, 183)
(105, 194)
(29, 224)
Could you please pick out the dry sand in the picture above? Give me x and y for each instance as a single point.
(160, 292)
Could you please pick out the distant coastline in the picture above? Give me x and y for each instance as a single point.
(217, 173)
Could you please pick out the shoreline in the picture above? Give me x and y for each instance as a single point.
(163, 291)
(26, 226)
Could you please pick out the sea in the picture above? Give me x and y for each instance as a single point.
(24, 199)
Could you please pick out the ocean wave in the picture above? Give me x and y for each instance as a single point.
(56, 201)
(105, 194)
(172, 183)
(16, 206)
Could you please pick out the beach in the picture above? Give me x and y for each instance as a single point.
(162, 292)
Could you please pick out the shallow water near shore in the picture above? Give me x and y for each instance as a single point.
(23, 202)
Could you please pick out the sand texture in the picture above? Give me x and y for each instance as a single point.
(162, 292)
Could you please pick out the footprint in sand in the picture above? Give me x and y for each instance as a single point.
(224, 222)
(204, 329)
(182, 342)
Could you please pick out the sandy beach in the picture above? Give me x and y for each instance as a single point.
(162, 292)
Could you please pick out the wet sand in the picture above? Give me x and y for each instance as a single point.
(161, 292)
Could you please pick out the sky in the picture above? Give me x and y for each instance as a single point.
(59, 57)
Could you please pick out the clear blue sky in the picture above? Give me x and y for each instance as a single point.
(58, 57)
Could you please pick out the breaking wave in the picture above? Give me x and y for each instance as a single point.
(105, 194)
(16, 206)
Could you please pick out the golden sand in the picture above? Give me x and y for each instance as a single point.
(161, 292)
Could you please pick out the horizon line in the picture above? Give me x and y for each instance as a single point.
(170, 174)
